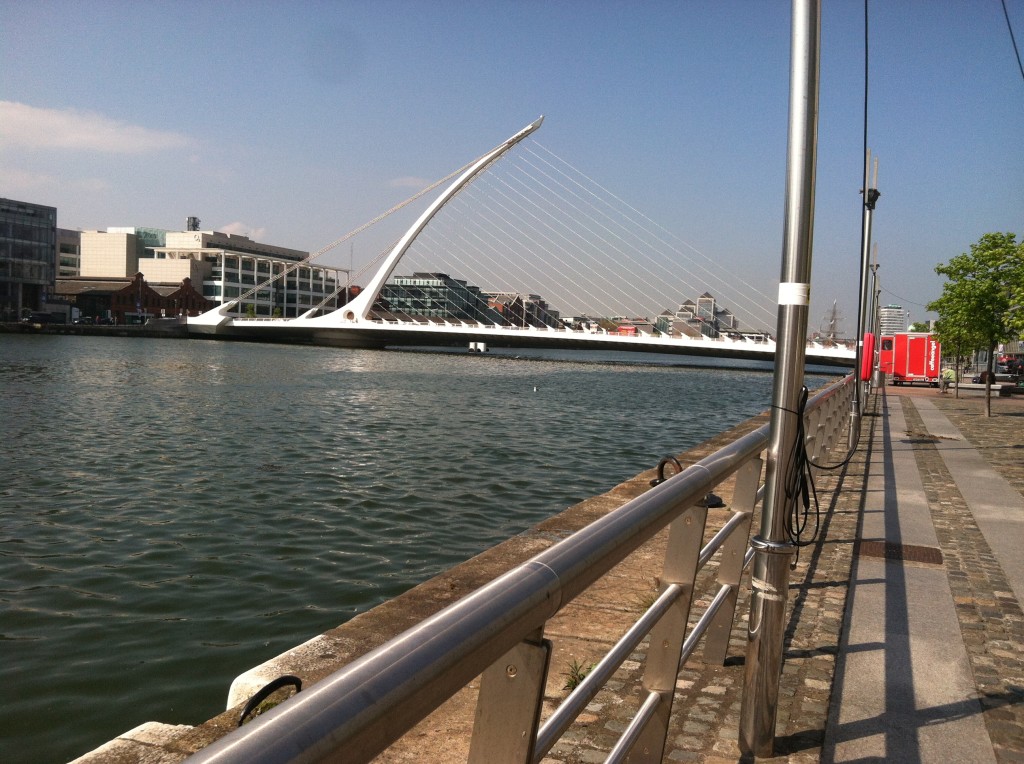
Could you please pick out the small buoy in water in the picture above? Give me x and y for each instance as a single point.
(534, 388)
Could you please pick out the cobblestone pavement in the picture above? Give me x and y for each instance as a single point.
(991, 620)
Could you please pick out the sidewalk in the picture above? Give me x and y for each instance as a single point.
(931, 663)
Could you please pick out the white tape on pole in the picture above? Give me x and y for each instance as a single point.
(794, 293)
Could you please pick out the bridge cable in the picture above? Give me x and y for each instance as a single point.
(508, 201)
(656, 225)
(592, 224)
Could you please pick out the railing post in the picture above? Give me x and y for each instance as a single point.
(814, 425)
(685, 536)
(835, 424)
(508, 707)
(730, 567)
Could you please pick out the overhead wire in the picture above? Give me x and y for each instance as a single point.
(1013, 40)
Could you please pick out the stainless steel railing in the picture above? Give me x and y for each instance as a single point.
(498, 630)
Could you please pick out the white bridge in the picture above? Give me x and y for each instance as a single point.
(356, 324)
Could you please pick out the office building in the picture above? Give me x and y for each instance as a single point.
(69, 253)
(267, 280)
(892, 319)
(28, 252)
(434, 295)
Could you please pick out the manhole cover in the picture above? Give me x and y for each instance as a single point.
(908, 552)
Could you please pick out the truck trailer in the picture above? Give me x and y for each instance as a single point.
(909, 357)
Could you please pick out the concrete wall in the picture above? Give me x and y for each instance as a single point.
(109, 255)
(173, 271)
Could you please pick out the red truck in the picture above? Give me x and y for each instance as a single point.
(909, 357)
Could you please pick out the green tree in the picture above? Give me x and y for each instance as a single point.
(958, 342)
(981, 297)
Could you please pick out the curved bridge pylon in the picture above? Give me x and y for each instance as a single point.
(358, 309)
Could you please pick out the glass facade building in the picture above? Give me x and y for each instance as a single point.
(28, 255)
(231, 266)
(69, 253)
(435, 295)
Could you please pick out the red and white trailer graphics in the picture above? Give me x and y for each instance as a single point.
(908, 357)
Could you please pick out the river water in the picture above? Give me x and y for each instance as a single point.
(173, 513)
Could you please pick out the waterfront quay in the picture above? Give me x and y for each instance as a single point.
(164, 329)
(905, 635)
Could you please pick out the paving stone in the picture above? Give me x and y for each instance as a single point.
(983, 596)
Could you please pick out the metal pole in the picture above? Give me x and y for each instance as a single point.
(864, 319)
(873, 297)
(878, 378)
(870, 198)
(773, 549)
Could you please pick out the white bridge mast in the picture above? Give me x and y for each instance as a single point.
(358, 309)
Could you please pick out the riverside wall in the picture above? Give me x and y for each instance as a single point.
(164, 329)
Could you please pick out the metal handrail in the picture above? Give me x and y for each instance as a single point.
(365, 706)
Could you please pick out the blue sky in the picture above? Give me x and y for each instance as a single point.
(297, 122)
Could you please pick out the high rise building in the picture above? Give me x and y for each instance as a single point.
(892, 319)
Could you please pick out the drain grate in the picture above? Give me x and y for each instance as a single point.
(908, 552)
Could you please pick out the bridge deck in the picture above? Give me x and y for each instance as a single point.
(377, 334)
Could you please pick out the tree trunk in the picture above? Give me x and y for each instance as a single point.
(988, 381)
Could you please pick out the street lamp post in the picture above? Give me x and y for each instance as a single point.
(773, 548)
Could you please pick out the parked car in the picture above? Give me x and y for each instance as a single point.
(1001, 374)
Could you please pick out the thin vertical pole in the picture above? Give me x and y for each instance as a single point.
(866, 296)
(773, 549)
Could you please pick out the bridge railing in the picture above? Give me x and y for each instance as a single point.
(498, 630)
(722, 338)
